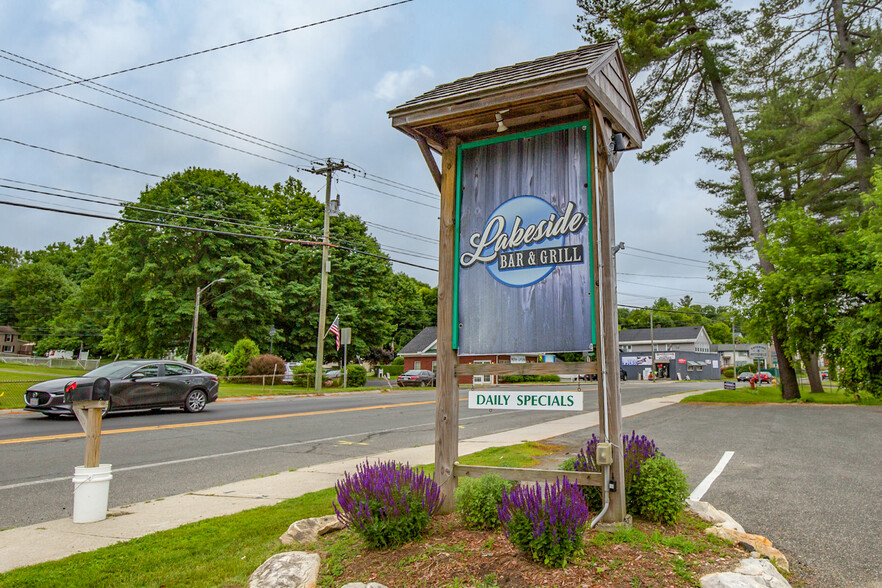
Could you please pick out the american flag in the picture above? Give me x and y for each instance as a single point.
(335, 328)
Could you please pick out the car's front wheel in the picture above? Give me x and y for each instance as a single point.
(195, 401)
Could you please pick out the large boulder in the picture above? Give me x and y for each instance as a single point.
(706, 511)
(757, 542)
(751, 573)
(292, 569)
(309, 530)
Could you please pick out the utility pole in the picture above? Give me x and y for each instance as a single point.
(652, 344)
(734, 366)
(328, 170)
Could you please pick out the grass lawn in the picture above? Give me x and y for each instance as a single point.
(772, 394)
(228, 390)
(222, 551)
(16, 378)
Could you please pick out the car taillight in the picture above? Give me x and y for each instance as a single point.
(212, 378)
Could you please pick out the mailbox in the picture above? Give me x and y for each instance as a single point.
(77, 392)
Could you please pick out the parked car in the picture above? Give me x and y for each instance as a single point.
(333, 374)
(744, 376)
(764, 377)
(417, 378)
(134, 384)
(623, 375)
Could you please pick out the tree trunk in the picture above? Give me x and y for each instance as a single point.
(789, 383)
(855, 108)
(813, 371)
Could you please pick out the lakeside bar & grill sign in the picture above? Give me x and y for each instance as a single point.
(525, 253)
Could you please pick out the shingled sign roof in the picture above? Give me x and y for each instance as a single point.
(519, 73)
(534, 94)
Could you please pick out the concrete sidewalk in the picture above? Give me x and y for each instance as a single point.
(53, 540)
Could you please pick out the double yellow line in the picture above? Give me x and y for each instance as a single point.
(221, 422)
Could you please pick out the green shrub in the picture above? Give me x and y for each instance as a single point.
(635, 450)
(727, 372)
(394, 369)
(237, 359)
(659, 491)
(398, 361)
(267, 365)
(519, 379)
(478, 501)
(213, 363)
(387, 503)
(356, 375)
(306, 367)
(545, 523)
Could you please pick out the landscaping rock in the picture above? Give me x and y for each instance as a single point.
(751, 573)
(757, 542)
(706, 511)
(293, 569)
(363, 585)
(309, 530)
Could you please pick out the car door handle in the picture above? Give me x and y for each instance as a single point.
(155, 384)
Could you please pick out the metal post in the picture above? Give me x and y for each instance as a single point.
(652, 344)
(345, 365)
(195, 328)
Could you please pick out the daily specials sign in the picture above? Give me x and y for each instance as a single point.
(526, 400)
(525, 253)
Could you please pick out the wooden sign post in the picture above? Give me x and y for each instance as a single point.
(526, 232)
(88, 413)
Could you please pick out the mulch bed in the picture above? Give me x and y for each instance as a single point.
(450, 555)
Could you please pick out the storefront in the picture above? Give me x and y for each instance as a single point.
(671, 365)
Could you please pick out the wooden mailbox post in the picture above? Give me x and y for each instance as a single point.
(538, 141)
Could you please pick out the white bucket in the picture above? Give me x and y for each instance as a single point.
(91, 490)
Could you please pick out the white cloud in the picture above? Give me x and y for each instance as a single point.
(395, 85)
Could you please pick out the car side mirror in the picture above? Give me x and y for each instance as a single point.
(137, 376)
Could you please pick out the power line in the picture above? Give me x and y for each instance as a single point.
(157, 125)
(203, 51)
(214, 232)
(663, 287)
(656, 260)
(669, 255)
(189, 118)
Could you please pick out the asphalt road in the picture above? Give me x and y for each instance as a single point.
(808, 477)
(159, 455)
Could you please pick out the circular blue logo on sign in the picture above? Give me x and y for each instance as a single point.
(523, 241)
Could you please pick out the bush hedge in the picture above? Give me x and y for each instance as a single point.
(237, 359)
(659, 491)
(356, 375)
(213, 363)
(387, 504)
(478, 500)
(267, 365)
(519, 379)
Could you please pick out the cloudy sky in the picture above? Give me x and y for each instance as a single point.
(323, 91)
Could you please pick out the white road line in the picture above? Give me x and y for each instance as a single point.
(705, 485)
(243, 451)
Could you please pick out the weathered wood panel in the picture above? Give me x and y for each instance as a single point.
(525, 475)
(525, 369)
(555, 313)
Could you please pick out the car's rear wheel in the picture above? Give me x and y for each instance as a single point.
(195, 401)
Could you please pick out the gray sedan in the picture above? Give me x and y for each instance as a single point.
(134, 384)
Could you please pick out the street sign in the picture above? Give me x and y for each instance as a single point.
(758, 351)
(346, 336)
(526, 400)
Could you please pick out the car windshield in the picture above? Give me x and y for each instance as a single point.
(113, 370)
(412, 373)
